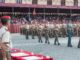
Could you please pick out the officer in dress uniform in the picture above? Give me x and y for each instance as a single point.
(5, 38)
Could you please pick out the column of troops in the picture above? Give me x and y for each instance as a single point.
(50, 30)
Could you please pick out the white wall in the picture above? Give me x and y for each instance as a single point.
(69, 2)
(10, 1)
(78, 2)
(27, 1)
(42, 2)
(56, 2)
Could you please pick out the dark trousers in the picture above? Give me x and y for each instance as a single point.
(40, 39)
(69, 42)
(47, 39)
(33, 34)
(56, 41)
(27, 34)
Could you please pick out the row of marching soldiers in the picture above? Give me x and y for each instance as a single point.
(51, 30)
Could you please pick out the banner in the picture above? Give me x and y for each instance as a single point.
(69, 2)
(56, 2)
(10, 1)
(42, 2)
(26, 1)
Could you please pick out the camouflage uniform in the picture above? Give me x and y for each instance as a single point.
(46, 34)
(56, 33)
(39, 34)
(32, 31)
(27, 31)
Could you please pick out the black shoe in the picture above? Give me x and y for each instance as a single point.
(58, 43)
(27, 38)
(54, 43)
(41, 41)
(48, 42)
(69, 45)
(45, 42)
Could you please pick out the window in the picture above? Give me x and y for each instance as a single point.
(62, 2)
(75, 2)
(49, 2)
(34, 1)
(18, 1)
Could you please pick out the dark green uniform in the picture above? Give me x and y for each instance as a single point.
(27, 33)
(56, 33)
(33, 32)
(46, 35)
(63, 32)
(39, 34)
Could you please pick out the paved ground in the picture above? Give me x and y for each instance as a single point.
(61, 52)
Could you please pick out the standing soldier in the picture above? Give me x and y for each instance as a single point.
(27, 31)
(69, 34)
(46, 34)
(56, 32)
(50, 30)
(39, 34)
(32, 31)
(5, 42)
(63, 31)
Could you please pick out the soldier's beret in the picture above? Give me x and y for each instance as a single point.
(5, 17)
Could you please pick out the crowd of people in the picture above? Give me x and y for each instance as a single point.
(51, 29)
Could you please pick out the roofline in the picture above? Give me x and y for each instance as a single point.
(37, 6)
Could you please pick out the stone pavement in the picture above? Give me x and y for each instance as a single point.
(61, 52)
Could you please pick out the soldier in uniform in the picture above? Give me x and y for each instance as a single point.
(63, 31)
(24, 30)
(39, 34)
(50, 30)
(5, 42)
(56, 33)
(27, 31)
(46, 34)
(69, 34)
(33, 31)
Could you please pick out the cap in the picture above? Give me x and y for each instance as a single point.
(5, 17)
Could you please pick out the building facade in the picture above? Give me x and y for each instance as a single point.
(41, 7)
(44, 2)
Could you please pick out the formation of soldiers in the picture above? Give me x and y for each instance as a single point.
(51, 29)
